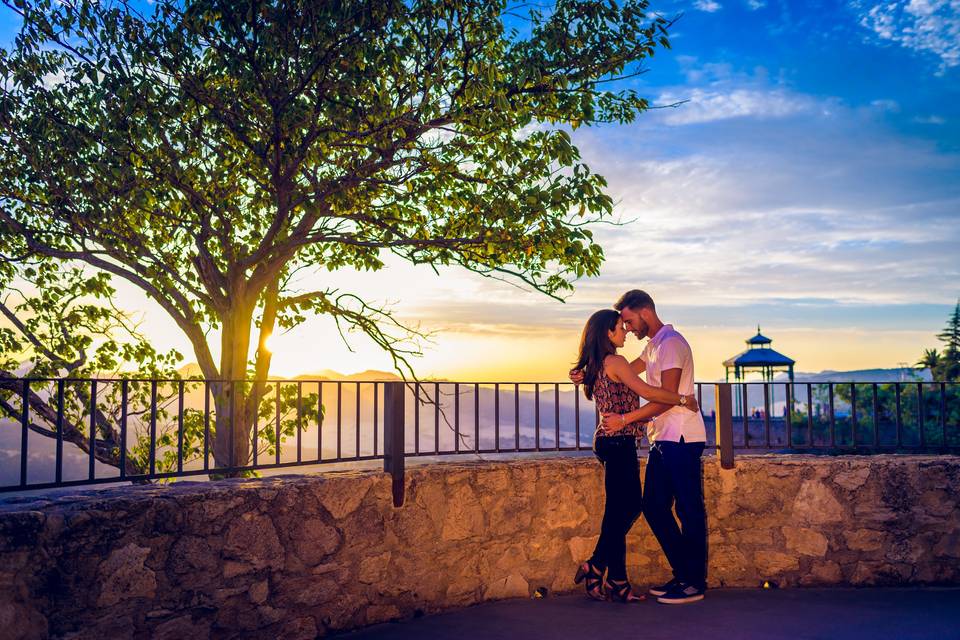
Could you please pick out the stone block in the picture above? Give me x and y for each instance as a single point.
(259, 591)
(314, 540)
(852, 479)
(816, 504)
(864, 539)
(180, 628)
(823, 572)
(252, 539)
(124, 576)
(20, 622)
(512, 586)
(805, 541)
(774, 563)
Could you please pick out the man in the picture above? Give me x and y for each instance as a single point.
(677, 438)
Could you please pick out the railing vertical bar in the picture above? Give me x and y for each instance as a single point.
(416, 417)
(556, 415)
(833, 418)
(376, 407)
(809, 415)
(339, 420)
(456, 417)
(276, 428)
(25, 426)
(576, 413)
(319, 421)
(899, 415)
(180, 427)
(206, 425)
(853, 413)
(766, 413)
(123, 432)
(744, 398)
(234, 410)
(153, 428)
(943, 412)
(789, 398)
(255, 440)
(921, 422)
(436, 417)
(876, 416)
(536, 416)
(476, 417)
(92, 458)
(299, 421)
(357, 423)
(516, 416)
(496, 416)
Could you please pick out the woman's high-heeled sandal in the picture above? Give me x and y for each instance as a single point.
(594, 580)
(621, 591)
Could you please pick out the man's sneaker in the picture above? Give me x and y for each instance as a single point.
(681, 593)
(664, 588)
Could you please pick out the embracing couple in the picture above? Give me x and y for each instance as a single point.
(676, 433)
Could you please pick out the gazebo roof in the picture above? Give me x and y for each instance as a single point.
(759, 338)
(759, 358)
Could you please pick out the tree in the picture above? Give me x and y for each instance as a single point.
(210, 150)
(948, 367)
(929, 360)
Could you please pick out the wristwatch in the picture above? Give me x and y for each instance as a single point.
(683, 400)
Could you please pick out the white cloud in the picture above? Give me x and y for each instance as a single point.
(709, 105)
(891, 106)
(756, 4)
(933, 119)
(931, 26)
(710, 6)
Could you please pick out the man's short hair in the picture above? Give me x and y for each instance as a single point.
(635, 299)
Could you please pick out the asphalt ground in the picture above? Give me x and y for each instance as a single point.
(873, 613)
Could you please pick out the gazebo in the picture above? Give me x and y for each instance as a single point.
(758, 357)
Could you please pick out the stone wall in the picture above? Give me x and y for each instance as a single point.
(300, 556)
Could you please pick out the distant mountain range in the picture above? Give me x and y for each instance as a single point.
(192, 370)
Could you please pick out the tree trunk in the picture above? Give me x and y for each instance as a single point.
(231, 442)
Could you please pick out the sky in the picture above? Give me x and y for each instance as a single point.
(809, 184)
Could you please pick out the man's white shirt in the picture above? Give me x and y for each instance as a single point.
(669, 350)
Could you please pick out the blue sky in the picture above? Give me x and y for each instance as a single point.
(810, 183)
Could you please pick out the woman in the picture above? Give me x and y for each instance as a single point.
(612, 384)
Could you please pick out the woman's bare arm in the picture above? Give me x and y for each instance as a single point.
(619, 369)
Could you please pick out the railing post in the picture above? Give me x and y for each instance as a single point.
(393, 437)
(724, 405)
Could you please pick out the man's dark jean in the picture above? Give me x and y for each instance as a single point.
(623, 503)
(674, 475)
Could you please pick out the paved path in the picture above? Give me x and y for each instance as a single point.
(728, 614)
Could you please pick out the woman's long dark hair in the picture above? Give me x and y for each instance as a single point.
(595, 345)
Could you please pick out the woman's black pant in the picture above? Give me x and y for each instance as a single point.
(623, 503)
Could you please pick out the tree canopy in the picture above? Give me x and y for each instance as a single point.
(206, 151)
(947, 366)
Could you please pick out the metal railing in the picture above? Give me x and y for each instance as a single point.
(151, 429)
